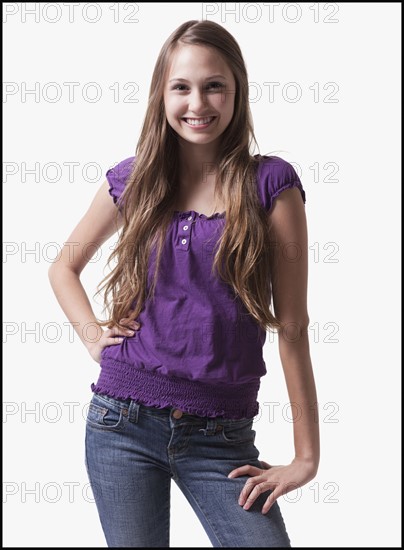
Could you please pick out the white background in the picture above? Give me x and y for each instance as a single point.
(353, 237)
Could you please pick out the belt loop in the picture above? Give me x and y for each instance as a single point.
(133, 412)
(210, 427)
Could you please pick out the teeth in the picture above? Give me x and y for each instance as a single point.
(199, 121)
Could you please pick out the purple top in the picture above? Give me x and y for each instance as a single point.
(197, 349)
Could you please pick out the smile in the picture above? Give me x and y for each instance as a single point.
(199, 122)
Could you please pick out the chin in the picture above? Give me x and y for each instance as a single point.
(203, 140)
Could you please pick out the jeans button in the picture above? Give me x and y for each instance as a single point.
(177, 414)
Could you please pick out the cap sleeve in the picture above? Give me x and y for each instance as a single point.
(117, 177)
(274, 176)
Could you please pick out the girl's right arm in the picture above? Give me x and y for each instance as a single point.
(97, 225)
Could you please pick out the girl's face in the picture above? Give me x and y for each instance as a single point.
(199, 94)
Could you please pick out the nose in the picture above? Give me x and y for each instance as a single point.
(197, 101)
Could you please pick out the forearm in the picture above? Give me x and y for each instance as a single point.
(75, 304)
(301, 388)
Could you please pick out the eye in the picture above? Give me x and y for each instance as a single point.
(178, 86)
(215, 85)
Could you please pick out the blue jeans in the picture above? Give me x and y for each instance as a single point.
(132, 453)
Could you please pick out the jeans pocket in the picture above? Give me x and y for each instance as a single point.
(105, 416)
(239, 432)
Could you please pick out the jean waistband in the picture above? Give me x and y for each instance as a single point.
(132, 407)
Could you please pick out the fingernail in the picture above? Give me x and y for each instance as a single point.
(130, 332)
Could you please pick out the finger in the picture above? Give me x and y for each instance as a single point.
(130, 323)
(116, 335)
(258, 489)
(271, 500)
(116, 331)
(130, 316)
(112, 331)
(111, 340)
(249, 487)
(115, 341)
(269, 484)
(245, 470)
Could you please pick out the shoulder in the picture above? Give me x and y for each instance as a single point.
(275, 175)
(122, 169)
(118, 175)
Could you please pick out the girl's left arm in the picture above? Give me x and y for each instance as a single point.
(289, 251)
(289, 291)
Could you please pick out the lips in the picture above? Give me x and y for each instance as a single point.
(202, 121)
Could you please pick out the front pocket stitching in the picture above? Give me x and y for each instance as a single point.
(117, 427)
(236, 441)
(245, 440)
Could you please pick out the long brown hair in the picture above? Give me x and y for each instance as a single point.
(243, 256)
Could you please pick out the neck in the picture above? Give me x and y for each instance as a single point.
(198, 163)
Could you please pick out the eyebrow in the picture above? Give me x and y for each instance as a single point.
(209, 77)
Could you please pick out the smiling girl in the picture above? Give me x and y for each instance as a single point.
(200, 258)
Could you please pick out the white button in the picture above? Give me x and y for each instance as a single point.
(185, 227)
(184, 241)
(190, 217)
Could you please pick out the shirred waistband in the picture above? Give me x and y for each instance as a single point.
(123, 381)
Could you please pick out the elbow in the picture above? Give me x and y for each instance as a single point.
(51, 270)
(294, 319)
(56, 269)
(304, 322)
(54, 266)
(295, 329)
(52, 273)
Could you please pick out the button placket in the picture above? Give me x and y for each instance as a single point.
(184, 232)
